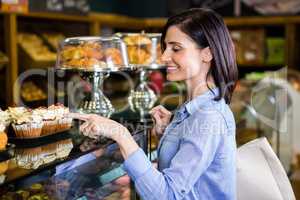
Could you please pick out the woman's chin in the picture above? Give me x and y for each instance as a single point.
(173, 77)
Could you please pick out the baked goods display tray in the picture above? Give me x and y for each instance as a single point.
(38, 141)
(100, 69)
(151, 67)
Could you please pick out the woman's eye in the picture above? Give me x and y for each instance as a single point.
(175, 48)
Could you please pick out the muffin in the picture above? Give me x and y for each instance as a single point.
(48, 117)
(64, 148)
(62, 122)
(27, 124)
(3, 137)
(16, 111)
(49, 153)
(29, 158)
(5, 118)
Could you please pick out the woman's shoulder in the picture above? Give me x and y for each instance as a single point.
(217, 112)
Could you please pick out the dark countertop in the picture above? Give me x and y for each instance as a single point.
(40, 159)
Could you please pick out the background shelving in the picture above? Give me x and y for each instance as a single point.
(286, 27)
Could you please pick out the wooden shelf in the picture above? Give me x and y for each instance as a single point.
(261, 20)
(53, 16)
(96, 20)
(238, 21)
(118, 21)
(122, 21)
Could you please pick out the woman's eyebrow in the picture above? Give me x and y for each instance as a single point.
(173, 42)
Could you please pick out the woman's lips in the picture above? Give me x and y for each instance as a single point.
(171, 69)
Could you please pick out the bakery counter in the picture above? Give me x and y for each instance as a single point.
(67, 165)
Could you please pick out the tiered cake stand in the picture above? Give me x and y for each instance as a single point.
(143, 98)
(95, 101)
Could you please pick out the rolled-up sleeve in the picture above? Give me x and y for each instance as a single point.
(200, 138)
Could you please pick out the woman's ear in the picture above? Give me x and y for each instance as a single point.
(206, 54)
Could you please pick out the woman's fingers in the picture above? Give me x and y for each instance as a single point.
(90, 129)
(157, 118)
(164, 110)
(155, 109)
(80, 116)
(83, 126)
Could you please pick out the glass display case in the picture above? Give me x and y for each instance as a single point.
(92, 53)
(93, 58)
(143, 49)
(144, 52)
(67, 165)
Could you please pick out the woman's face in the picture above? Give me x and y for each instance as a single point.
(184, 59)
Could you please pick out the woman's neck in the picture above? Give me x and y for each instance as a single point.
(198, 87)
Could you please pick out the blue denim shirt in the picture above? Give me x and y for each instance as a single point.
(196, 155)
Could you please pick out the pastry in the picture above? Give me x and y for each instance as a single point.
(137, 39)
(35, 48)
(31, 92)
(64, 148)
(5, 118)
(139, 48)
(138, 55)
(91, 54)
(53, 39)
(49, 153)
(62, 122)
(85, 55)
(3, 137)
(113, 55)
(49, 120)
(29, 158)
(16, 111)
(26, 124)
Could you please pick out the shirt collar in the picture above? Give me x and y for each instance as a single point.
(201, 100)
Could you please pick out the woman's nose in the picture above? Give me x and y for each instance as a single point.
(165, 57)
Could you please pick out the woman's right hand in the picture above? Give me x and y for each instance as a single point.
(161, 118)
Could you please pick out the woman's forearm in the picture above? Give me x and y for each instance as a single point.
(126, 144)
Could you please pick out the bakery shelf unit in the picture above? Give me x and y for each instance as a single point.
(286, 27)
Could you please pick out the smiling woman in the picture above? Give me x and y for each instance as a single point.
(197, 148)
(201, 35)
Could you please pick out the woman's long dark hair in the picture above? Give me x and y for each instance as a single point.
(208, 29)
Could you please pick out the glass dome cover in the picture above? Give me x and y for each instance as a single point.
(143, 48)
(92, 53)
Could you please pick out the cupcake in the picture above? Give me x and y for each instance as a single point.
(29, 158)
(49, 120)
(5, 118)
(49, 153)
(3, 137)
(15, 111)
(27, 124)
(64, 148)
(62, 122)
